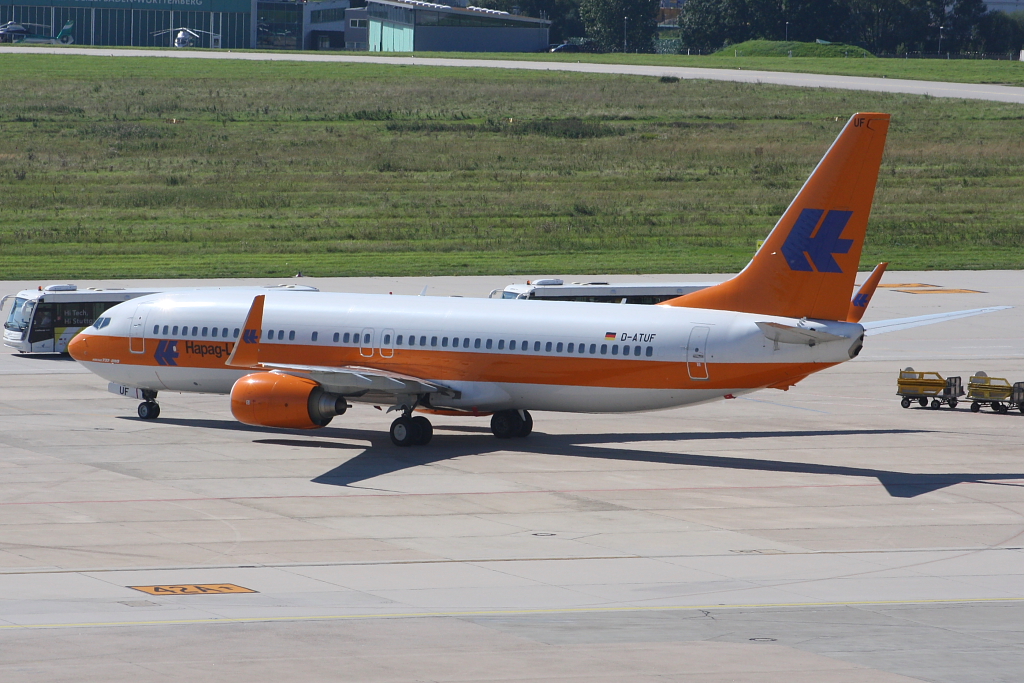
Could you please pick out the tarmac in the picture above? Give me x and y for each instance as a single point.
(968, 91)
(819, 534)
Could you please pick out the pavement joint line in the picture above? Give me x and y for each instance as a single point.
(372, 563)
(506, 612)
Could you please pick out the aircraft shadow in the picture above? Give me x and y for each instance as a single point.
(452, 441)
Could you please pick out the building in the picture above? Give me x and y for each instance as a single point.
(380, 25)
(415, 26)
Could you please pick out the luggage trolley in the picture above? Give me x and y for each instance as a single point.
(921, 386)
(996, 393)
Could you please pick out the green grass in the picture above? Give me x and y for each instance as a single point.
(341, 169)
(779, 48)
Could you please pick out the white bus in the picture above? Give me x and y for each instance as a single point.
(44, 320)
(600, 292)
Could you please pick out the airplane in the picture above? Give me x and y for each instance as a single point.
(186, 36)
(20, 34)
(297, 360)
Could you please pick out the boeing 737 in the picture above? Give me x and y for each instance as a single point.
(298, 359)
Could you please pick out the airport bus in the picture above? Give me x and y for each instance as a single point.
(44, 320)
(599, 292)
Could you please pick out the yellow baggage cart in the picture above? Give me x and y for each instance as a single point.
(919, 387)
(995, 392)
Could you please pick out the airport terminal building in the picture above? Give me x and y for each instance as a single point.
(374, 25)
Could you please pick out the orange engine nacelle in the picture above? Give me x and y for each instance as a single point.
(269, 399)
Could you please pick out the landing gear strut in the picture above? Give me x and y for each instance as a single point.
(149, 409)
(411, 431)
(510, 424)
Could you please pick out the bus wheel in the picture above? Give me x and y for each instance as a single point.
(150, 410)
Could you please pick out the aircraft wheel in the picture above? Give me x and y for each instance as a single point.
(975, 406)
(506, 424)
(150, 410)
(426, 430)
(936, 404)
(923, 402)
(527, 427)
(952, 403)
(404, 432)
(905, 402)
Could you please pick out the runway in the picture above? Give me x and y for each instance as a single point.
(970, 91)
(819, 534)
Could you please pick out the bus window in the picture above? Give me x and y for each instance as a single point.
(42, 323)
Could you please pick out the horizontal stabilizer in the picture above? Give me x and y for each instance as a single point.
(787, 334)
(897, 324)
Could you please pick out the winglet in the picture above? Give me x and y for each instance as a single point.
(247, 348)
(860, 301)
(807, 266)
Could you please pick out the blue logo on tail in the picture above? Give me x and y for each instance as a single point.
(861, 300)
(826, 242)
(166, 352)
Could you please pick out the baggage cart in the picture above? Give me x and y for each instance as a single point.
(920, 387)
(995, 392)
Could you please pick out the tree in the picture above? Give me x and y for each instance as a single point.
(607, 21)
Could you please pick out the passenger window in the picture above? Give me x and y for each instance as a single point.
(347, 337)
(156, 329)
(615, 349)
(547, 347)
(291, 336)
(270, 334)
(444, 341)
(336, 337)
(593, 349)
(650, 351)
(366, 339)
(224, 333)
(569, 348)
(455, 342)
(536, 346)
(195, 331)
(206, 331)
(174, 330)
(235, 335)
(433, 341)
(512, 345)
(165, 329)
(423, 341)
(636, 350)
(501, 344)
(489, 343)
(412, 340)
(604, 349)
(583, 348)
(314, 336)
(215, 332)
(398, 341)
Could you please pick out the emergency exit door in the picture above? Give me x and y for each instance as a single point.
(696, 353)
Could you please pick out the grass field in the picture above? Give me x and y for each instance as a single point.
(146, 167)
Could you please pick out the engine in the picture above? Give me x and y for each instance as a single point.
(269, 399)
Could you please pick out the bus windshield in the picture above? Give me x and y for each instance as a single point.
(21, 315)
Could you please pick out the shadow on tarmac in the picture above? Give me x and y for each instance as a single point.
(382, 457)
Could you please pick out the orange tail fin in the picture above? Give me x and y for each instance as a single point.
(807, 266)
(862, 298)
(247, 348)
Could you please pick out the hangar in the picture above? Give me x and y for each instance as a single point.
(374, 25)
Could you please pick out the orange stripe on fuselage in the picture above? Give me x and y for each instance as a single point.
(471, 366)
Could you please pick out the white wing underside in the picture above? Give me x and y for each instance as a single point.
(350, 379)
(897, 324)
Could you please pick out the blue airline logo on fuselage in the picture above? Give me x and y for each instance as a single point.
(166, 352)
(800, 244)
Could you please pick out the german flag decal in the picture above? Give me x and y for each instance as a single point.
(609, 335)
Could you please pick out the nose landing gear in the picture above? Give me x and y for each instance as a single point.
(150, 410)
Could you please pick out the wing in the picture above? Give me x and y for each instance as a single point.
(897, 324)
(351, 379)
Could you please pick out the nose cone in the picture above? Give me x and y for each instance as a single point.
(78, 347)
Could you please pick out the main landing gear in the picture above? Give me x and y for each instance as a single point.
(149, 409)
(411, 431)
(511, 424)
